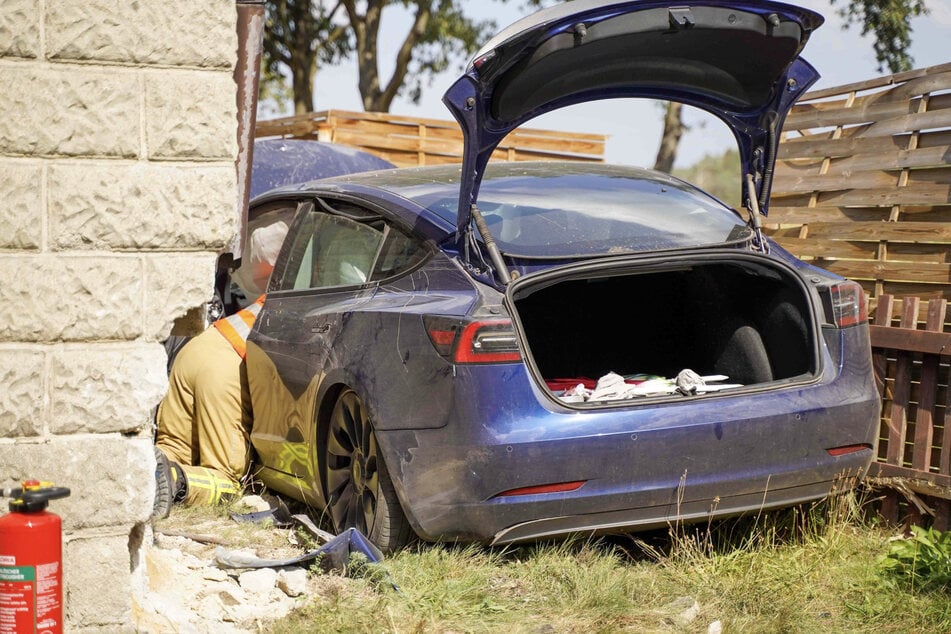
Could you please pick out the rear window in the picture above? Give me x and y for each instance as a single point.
(576, 209)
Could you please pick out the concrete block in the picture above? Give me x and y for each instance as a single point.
(111, 477)
(23, 399)
(21, 215)
(141, 206)
(170, 33)
(176, 284)
(97, 580)
(20, 28)
(103, 388)
(191, 115)
(71, 111)
(45, 298)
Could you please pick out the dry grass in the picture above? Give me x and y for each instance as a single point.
(805, 569)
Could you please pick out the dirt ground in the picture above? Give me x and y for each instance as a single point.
(188, 590)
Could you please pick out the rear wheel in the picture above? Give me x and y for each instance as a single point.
(360, 492)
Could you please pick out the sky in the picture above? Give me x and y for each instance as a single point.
(634, 126)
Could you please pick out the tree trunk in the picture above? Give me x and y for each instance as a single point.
(376, 97)
(303, 82)
(670, 140)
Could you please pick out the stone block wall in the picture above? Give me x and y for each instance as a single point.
(118, 189)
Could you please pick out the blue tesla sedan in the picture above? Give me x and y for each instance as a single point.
(499, 352)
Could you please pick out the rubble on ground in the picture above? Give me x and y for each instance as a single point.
(187, 591)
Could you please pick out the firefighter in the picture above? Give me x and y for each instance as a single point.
(202, 445)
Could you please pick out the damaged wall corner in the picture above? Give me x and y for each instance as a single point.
(116, 208)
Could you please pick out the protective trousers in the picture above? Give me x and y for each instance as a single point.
(204, 421)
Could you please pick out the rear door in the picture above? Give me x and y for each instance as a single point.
(322, 275)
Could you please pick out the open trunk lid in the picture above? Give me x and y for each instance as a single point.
(737, 60)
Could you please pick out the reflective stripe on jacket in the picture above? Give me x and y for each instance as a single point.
(237, 327)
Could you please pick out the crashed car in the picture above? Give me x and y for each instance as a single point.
(506, 352)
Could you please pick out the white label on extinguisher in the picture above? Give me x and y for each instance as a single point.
(8, 560)
(17, 599)
(47, 591)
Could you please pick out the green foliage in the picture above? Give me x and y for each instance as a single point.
(299, 35)
(889, 21)
(303, 35)
(922, 560)
(449, 36)
(717, 175)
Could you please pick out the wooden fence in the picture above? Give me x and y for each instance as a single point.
(863, 188)
(410, 141)
(863, 183)
(913, 372)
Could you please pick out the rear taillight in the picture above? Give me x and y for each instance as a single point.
(491, 341)
(848, 304)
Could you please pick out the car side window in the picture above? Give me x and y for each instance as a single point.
(330, 250)
(400, 253)
(349, 248)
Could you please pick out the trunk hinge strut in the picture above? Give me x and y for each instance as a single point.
(494, 254)
(756, 222)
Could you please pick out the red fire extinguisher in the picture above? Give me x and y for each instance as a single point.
(31, 561)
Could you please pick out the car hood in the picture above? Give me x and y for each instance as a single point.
(737, 60)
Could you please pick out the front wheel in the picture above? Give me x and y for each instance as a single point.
(360, 492)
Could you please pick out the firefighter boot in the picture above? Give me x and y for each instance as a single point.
(170, 485)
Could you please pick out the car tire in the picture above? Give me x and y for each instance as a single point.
(360, 493)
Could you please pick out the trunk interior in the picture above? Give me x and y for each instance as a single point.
(748, 321)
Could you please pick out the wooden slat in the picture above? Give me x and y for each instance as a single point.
(916, 232)
(888, 470)
(918, 289)
(883, 316)
(877, 82)
(822, 146)
(787, 182)
(807, 115)
(917, 121)
(554, 145)
(887, 158)
(886, 197)
(388, 128)
(944, 463)
(400, 143)
(860, 182)
(883, 313)
(893, 160)
(924, 341)
(522, 154)
(819, 250)
(898, 413)
(781, 212)
(928, 385)
(807, 248)
(917, 272)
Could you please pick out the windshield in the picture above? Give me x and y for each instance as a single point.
(583, 209)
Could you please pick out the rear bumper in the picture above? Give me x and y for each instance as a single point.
(671, 514)
(642, 467)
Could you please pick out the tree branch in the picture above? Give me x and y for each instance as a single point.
(405, 55)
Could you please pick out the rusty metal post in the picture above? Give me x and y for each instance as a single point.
(247, 72)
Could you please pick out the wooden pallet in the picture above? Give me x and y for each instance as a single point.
(913, 371)
(411, 141)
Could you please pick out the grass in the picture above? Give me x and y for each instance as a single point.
(800, 570)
